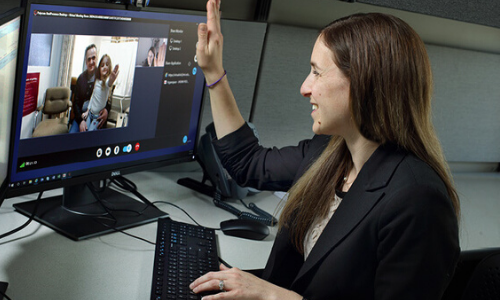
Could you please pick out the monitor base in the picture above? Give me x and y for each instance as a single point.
(77, 224)
(197, 186)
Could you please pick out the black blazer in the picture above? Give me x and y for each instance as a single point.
(394, 235)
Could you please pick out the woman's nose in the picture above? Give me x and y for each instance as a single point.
(305, 89)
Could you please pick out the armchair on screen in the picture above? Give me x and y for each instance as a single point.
(118, 114)
(55, 110)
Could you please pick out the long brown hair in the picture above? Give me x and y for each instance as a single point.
(390, 101)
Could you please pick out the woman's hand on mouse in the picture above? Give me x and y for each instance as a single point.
(210, 44)
(236, 284)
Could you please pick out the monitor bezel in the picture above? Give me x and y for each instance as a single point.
(102, 172)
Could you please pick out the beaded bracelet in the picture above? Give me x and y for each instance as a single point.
(211, 85)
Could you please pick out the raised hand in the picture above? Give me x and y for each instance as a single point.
(226, 115)
(160, 57)
(210, 43)
(113, 75)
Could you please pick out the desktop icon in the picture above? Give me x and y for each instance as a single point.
(22, 165)
(195, 70)
(137, 146)
(117, 150)
(185, 139)
(108, 151)
(99, 152)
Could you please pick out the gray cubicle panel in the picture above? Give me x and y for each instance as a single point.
(466, 103)
(478, 11)
(282, 115)
(243, 43)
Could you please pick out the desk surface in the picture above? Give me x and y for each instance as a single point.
(39, 263)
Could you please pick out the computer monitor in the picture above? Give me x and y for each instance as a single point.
(10, 23)
(153, 109)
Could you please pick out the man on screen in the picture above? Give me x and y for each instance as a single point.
(83, 91)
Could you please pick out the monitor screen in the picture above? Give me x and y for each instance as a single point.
(10, 24)
(102, 91)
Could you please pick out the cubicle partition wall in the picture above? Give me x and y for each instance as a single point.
(466, 104)
(478, 11)
(466, 100)
(243, 47)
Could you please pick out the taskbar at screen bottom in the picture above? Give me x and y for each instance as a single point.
(47, 181)
(100, 152)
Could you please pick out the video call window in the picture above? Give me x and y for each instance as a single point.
(141, 88)
(68, 65)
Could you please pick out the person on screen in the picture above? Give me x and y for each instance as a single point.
(154, 58)
(83, 91)
(150, 60)
(372, 212)
(104, 79)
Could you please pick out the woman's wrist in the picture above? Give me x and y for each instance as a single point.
(209, 85)
(287, 294)
(213, 73)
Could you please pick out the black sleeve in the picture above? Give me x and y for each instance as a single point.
(263, 168)
(80, 92)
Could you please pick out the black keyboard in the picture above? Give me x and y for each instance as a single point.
(183, 253)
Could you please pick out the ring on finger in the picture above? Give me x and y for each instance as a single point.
(221, 286)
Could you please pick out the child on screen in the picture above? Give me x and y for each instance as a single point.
(101, 91)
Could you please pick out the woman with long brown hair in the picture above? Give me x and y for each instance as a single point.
(372, 212)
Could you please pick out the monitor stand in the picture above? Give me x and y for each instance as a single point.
(3, 289)
(78, 215)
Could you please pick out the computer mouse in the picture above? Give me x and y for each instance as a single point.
(243, 228)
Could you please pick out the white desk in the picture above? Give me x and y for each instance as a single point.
(39, 263)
